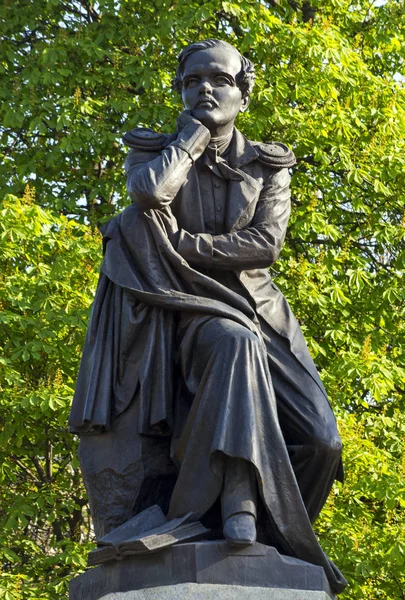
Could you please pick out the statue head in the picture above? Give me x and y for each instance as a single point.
(214, 81)
(245, 79)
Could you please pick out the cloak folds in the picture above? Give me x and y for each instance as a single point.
(130, 350)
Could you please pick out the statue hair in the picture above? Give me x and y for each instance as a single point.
(245, 78)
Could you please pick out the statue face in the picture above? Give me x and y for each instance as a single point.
(210, 90)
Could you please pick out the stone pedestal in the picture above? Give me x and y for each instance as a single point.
(206, 591)
(204, 570)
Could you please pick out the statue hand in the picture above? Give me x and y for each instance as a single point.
(185, 118)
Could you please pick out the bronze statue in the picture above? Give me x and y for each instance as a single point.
(196, 389)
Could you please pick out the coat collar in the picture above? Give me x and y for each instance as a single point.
(241, 151)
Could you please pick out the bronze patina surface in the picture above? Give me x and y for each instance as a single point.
(196, 389)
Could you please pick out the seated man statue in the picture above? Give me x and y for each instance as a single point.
(196, 389)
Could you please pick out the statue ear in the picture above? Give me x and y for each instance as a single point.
(244, 103)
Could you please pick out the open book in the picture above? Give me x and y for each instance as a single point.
(149, 531)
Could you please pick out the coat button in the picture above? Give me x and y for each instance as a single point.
(217, 185)
(219, 208)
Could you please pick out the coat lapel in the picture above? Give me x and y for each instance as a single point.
(242, 195)
(245, 190)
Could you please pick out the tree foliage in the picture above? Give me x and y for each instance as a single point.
(47, 281)
(76, 75)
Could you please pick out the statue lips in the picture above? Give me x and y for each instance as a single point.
(206, 102)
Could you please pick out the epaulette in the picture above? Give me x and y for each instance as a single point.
(276, 154)
(143, 138)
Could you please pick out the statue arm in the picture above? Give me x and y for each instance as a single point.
(153, 183)
(256, 246)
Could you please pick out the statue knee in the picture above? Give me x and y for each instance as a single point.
(229, 332)
(243, 335)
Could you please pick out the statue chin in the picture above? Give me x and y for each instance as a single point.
(214, 123)
(205, 116)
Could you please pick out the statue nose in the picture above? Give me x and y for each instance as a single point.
(205, 86)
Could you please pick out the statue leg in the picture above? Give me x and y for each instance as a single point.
(307, 422)
(224, 369)
(233, 413)
(124, 472)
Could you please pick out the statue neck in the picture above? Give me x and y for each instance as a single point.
(221, 143)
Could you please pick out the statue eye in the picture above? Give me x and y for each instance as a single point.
(191, 82)
(223, 80)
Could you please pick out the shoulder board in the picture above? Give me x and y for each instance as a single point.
(143, 138)
(276, 154)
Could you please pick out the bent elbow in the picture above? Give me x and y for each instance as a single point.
(145, 200)
(144, 190)
(270, 250)
(261, 258)
(265, 259)
(147, 193)
(273, 254)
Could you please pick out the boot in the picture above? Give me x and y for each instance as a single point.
(238, 501)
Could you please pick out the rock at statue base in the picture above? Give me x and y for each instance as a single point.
(204, 570)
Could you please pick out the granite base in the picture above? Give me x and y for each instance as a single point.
(203, 563)
(201, 591)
